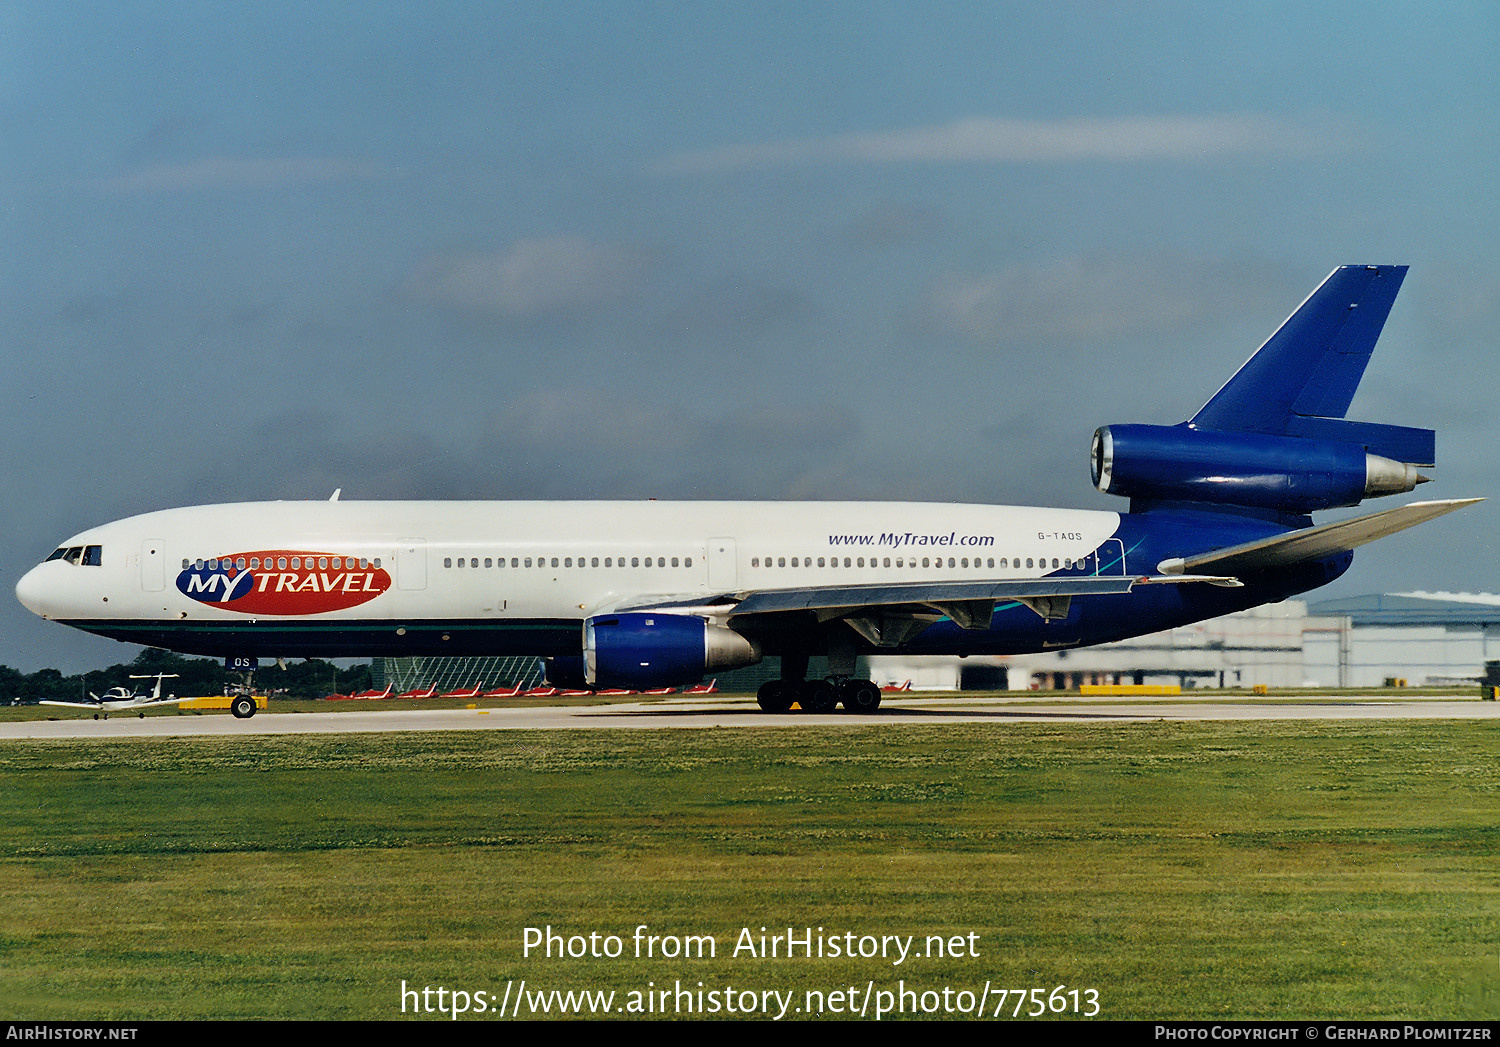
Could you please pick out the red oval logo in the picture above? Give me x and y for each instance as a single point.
(283, 581)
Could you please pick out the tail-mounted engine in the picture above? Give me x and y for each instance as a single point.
(1288, 473)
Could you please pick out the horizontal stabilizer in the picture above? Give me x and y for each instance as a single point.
(1312, 543)
(1400, 443)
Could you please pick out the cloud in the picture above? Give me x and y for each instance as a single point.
(222, 172)
(999, 140)
(1090, 298)
(531, 278)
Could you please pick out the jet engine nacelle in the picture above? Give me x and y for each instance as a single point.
(1291, 473)
(641, 649)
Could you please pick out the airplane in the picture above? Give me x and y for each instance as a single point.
(123, 699)
(651, 594)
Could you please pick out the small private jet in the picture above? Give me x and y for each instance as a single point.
(122, 699)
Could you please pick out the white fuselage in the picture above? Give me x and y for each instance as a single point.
(531, 560)
(360, 579)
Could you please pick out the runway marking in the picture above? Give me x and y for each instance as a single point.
(743, 713)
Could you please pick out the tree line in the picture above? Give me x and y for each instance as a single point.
(313, 678)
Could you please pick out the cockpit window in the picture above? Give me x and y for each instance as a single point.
(88, 555)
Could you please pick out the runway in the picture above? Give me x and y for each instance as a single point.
(743, 712)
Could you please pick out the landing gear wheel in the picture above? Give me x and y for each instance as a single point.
(774, 696)
(818, 696)
(242, 708)
(860, 696)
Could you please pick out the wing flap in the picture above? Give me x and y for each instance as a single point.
(877, 608)
(1312, 543)
(926, 594)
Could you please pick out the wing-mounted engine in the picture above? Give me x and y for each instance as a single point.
(641, 649)
(1268, 471)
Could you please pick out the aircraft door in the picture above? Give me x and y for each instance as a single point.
(153, 565)
(723, 569)
(411, 564)
(1110, 557)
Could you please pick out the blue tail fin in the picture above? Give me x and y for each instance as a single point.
(1300, 383)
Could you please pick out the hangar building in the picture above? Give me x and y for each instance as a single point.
(1424, 639)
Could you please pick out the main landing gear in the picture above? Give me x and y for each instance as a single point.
(819, 696)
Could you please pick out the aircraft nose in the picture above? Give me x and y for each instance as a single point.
(31, 591)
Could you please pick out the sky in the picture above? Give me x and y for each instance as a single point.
(912, 251)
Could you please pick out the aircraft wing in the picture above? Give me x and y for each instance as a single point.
(843, 598)
(1312, 543)
(114, 707)
(888, 614)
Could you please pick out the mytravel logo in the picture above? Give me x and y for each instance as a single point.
(283, 581)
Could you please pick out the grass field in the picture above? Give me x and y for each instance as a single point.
(1238, 870)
